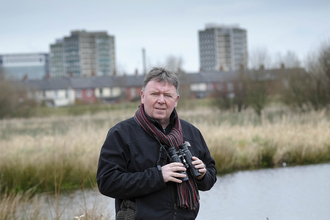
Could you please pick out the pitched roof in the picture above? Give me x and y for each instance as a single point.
(48, 84)
(209, 77)
(136, 80)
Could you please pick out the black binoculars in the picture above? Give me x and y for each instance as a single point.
(183, 155)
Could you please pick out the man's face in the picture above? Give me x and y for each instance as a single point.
(159, 99)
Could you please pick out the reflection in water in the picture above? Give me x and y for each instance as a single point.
(290, 193)
(301, 192)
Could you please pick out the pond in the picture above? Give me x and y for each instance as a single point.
(300, 192)
(292, 193)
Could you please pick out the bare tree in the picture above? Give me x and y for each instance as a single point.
(324, 59)
(6, 94)
(296, 91)
(13, 98)
(174, 63)
(319, 71)
(2, 74)
(121, 69)
(257, 95)
(251, 92)
(311, 89)
(238, 99)
(289, 60)
(259, 57)
(241, 97)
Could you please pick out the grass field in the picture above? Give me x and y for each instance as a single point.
(60, 153)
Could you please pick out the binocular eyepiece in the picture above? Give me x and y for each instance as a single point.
(184, 156)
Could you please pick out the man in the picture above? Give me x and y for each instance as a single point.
(136, 165)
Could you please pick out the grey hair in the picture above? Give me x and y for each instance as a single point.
(161, 75)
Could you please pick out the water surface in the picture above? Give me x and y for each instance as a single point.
(288, 193)
(293, 193)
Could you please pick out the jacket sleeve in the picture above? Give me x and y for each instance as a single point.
(113, 176)
(210, 176)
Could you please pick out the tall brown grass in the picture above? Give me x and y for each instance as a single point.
(60, 154)
(23, 206)
(290, 139)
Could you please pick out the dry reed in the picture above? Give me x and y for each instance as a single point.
(289, 140)
(59, 154)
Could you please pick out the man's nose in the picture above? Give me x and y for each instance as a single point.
(161, 99)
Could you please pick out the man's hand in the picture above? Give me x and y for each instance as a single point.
(200, 166)
(170, 172)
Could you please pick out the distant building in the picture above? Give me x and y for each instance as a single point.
(63, 91)
(222, 48)
(25, 65)
(83, 54)
(57, 59)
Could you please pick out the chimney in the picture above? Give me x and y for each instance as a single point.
(136, 72)
(282, 66)
(262, 67)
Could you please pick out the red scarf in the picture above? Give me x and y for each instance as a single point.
(187, 191)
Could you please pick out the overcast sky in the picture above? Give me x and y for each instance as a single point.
(164, 28)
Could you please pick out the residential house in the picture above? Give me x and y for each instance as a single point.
(52, 92)
(108, 89)
(206, 84)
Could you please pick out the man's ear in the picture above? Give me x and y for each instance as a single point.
(176, 101)
(142, 97)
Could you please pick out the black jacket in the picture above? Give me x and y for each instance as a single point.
(128, 170)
